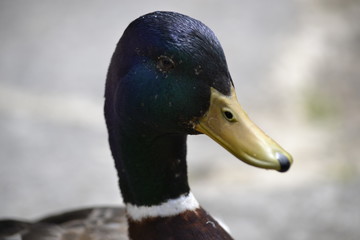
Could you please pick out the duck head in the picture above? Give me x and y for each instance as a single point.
(169, 75)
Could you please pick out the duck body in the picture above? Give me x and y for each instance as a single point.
(168, 78)
(106, 223)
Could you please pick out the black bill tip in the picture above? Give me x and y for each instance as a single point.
(284, 162)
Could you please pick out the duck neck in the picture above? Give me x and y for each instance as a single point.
(152, 168)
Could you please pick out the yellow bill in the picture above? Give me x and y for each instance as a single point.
(228, 124)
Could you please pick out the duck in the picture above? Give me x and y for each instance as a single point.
(168, 78)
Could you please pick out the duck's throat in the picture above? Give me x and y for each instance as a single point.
(152, 170)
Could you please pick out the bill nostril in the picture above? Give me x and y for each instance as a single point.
(228, 115)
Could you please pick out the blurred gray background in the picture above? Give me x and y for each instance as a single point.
(296, 69)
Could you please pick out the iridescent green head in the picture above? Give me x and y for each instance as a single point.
(169, 75)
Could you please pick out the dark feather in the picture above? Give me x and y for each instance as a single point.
(86, 224)
(196, 224)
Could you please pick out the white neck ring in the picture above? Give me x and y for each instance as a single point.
(171, 207)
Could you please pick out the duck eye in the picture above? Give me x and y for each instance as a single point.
(229, 115)
(165, 64)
